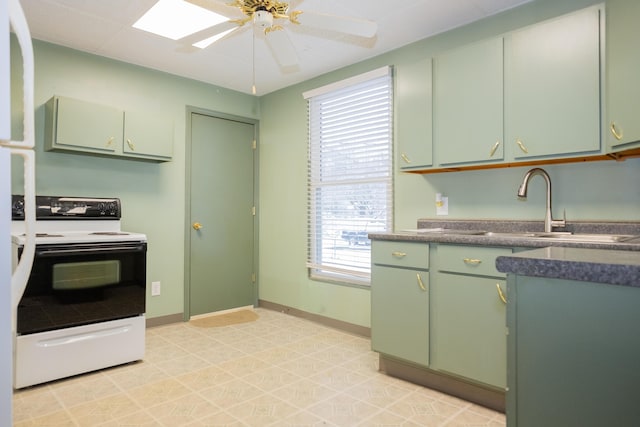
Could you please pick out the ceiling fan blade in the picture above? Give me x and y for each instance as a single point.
(220, 7)
(282, 48)
(341, 24)
(208, 32)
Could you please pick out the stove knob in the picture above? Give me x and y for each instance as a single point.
(18, 208)
(113, 209)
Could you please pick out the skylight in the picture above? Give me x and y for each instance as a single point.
(176, 19)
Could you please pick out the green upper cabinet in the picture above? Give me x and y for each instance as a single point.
(75, 125)
(552, 87)
(414, 115)
(623, 74)
(147, 135)
(468, 104)
(84, 127)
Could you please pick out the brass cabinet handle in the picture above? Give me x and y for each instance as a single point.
(522, 146)
(130, 144)
(472, 261)
(110, 141)
(420, 283)
(399, 254)
(197, 226)
(494, 148)
(405, 158)
(614, 131)
(500, 293)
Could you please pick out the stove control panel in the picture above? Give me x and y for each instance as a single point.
(55, 207)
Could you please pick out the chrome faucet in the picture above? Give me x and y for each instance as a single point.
(549, 222)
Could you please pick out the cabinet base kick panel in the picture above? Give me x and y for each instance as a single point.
(484, 395)
(61, 353)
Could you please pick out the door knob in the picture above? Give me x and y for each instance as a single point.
(197, 226)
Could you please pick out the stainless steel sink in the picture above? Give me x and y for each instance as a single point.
(580, 237)
(569, 237)
(556, 236)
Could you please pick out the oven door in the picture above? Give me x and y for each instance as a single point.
(79, 284)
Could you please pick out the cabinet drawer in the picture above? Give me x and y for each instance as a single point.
(470, 259)
(400, 254)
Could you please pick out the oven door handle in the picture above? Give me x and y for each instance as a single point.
(89, 251)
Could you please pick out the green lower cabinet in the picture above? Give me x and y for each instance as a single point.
(400, 313)
(468, 333)
(573, 353)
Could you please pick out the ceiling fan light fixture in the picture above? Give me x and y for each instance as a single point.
(262, 18)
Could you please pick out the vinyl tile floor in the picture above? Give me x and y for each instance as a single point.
(279, 370)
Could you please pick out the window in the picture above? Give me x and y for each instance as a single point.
(350, 174)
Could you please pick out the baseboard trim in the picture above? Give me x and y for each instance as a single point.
(492, 398)
(165, 320)
(218, 313)
(323, 320)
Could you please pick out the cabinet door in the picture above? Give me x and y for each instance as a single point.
(552, 87)
(468, 330)
(413, 104)
(400, 313)
(623, 82)
(147, 135)
(573, 353)
(84, 126)
(468, 104)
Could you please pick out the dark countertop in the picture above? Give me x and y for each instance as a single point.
(511, 226)
(616, 263)
(613, 267)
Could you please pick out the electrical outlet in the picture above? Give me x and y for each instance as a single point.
(155, 289)
(442, 204)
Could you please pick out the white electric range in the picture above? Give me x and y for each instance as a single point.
(83, 308)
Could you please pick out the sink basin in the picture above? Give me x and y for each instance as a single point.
(557, 235)
(569, 237)
(601, 238)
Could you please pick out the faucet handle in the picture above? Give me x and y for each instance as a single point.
(560, 222)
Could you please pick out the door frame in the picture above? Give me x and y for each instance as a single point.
(190, 110)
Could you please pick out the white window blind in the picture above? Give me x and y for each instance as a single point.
(350, 175)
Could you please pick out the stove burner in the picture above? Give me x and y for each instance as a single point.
(46, 235)
(109, 233)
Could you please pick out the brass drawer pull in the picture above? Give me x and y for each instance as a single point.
(133, 148)
(614, 131)
(420, 283)
(110, 141)
(522, 146)
(501, 294)
(399, 254)
(405, 158)
(472, 261)
(494, 148)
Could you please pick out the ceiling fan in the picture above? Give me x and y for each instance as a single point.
(271, 17)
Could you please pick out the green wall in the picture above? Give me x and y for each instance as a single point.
(152, 194)
(601, 191)
(598, 191)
